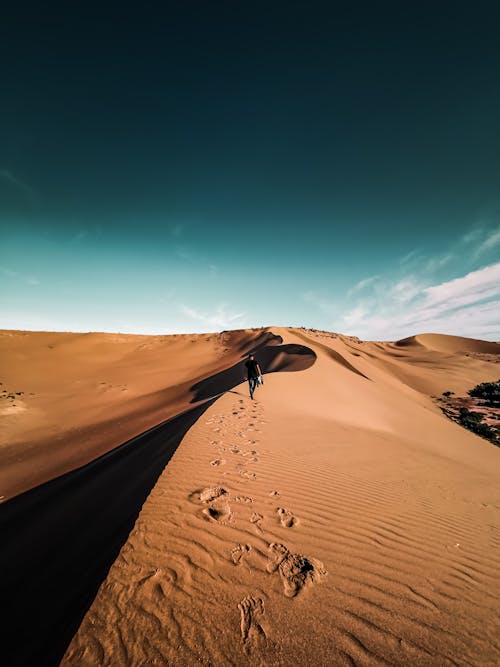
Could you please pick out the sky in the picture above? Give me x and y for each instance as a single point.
(191, 167)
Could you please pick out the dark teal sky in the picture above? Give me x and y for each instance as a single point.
(196, 166)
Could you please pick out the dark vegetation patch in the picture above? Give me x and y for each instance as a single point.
(479, 412)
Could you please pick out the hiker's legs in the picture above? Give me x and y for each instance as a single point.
(252, 383)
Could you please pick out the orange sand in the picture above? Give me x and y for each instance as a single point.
(338, 519)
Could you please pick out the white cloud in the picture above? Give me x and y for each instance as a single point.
(475, 286)
(467, 306)
(220, 318)
(355, 316)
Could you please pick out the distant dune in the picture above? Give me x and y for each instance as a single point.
(156, 515)
(450, 344)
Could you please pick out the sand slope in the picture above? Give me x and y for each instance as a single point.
(338, 519)
(83, 394)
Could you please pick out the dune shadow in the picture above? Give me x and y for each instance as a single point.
(60, 539)
(263, 338)
(273, 358)
(336, 356)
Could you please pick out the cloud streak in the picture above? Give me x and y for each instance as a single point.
(10, 179)
(220, 318)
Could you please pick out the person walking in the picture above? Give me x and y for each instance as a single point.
(254, 374)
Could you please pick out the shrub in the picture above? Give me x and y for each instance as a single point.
(473, 422)
(489, 391)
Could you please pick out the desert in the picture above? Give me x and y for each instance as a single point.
(340, 517)
(250, 334)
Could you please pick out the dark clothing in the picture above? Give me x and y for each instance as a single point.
(252, 370)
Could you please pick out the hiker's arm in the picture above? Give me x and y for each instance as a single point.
(260, 372)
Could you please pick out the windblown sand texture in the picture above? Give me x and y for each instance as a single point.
(338, 519)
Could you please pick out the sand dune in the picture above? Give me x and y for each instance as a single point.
(340, 518)
(450, 344)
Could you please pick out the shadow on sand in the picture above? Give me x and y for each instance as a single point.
(272, 359)
(59, 539)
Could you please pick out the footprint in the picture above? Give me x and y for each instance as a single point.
(207, 495)
(251, 610)
(243, 499)
(256, 518)
(219, 513)
(288, 520)
(274, 494)
(239, 552)
(217, 462)
(247, 474)
(295, 569)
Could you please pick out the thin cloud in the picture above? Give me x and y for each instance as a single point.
(177, 230)
(362, 284)
(11, 179)
(491, 241)
(319, 300)
(79, 236)
(404, 290)
(7, 272)
(409, 256)
(185, 253)
(220, 318)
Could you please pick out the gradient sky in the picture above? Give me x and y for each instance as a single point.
(198, 166)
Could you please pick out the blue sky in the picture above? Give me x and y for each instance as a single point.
(87, 281)
(198, 168)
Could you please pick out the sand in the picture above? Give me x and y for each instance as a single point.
(339, 518)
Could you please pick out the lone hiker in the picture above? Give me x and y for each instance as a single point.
(254, 374)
